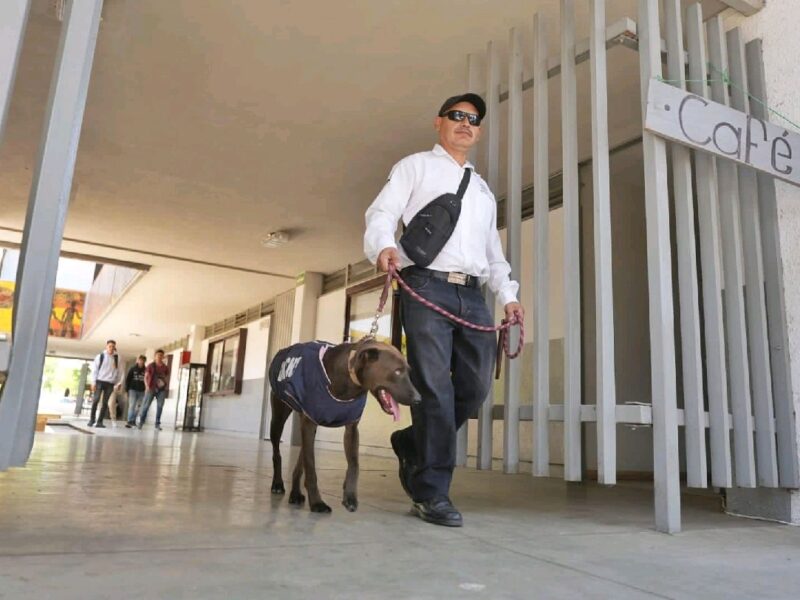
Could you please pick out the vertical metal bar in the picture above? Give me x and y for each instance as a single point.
(492, 165)
(711, 268)
(44, 229)
(735, 325)
(773, 286)
(604, 296)
(513, 236)
(541, 223)
(755, 302)
(13, 18)
(666, 471)
(572, 282)
(688, 287)
(462, 436)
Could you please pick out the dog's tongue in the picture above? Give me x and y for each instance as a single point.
(394, 407)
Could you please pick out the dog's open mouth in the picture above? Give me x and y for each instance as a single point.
(388, 403)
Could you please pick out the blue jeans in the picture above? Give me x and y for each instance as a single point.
(452, 367)
(159, 395)
(134, 401)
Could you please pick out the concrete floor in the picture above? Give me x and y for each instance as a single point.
(129, 514)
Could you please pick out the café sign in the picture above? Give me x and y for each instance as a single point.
(712, 127)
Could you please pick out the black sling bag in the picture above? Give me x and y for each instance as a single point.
(432, 226)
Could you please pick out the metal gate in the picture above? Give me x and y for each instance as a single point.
(734, 362)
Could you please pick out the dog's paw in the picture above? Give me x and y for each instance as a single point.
(296, 498)
(277, 488)
(320, 507)
(350, 502)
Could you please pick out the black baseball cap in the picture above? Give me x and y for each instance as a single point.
(473, 99)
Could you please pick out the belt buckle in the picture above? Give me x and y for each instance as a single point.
(457, 278)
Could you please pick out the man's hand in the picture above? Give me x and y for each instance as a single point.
(119, 387)
(388, 255)
(513, 308)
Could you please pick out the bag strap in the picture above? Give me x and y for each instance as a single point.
(462, 188)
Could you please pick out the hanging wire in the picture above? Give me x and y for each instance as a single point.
(724, 77)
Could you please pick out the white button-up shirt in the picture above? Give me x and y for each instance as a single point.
(474, 248)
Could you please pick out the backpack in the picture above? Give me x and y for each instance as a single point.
(103, 355)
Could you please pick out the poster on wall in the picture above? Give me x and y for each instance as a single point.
(6, 304)
(66, 314)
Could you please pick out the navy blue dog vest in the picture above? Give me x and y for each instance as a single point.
(298, 377)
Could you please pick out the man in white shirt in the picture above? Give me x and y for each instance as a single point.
(107, 374)
(451, 365)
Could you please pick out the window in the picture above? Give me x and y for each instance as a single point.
(226, 364)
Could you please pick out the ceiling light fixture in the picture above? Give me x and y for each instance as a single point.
(275, 239)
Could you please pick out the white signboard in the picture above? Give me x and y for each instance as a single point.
(694, 121)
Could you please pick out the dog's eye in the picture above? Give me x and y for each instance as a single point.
(399, 372)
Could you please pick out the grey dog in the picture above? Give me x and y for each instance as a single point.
(350, 371)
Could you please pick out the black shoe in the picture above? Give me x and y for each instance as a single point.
(90, 424)
(406, 464)
(100, 426)
(439, 511)
(128, 425)
(158, 426)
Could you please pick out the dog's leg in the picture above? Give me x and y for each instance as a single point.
(309, 432)
(295, 496)
(349, 498)
(280, 412)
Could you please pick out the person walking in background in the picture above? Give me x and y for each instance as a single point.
(134, 385)
(156, 378)
(107, 375)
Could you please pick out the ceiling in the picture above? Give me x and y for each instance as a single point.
(210, 124)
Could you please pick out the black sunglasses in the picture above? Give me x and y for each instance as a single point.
(459, 115)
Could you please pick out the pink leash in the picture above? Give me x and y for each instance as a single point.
(505, 325)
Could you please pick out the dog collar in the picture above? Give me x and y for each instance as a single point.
(350, 370)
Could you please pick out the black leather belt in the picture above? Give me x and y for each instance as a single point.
(452, 277)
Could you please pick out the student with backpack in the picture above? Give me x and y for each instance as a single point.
(107, 376)
(156, 382)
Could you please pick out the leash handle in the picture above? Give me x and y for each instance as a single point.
(503, 344)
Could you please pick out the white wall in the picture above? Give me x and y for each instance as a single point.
(776, 24)
(241, 413)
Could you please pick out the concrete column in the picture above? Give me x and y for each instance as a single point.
(44, 228)
(13, 18)
(81, 389)
(195, 345)
(304, 321)
(777, 87)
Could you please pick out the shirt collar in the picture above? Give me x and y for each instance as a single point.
(438, 150)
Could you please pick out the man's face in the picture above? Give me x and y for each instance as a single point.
(111, 347)
(458, 134)
(159, 357)
(140, 362)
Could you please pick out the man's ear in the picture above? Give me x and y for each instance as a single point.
(437, 123)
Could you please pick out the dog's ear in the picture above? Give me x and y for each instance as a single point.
(363, 358)
(368, 355)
